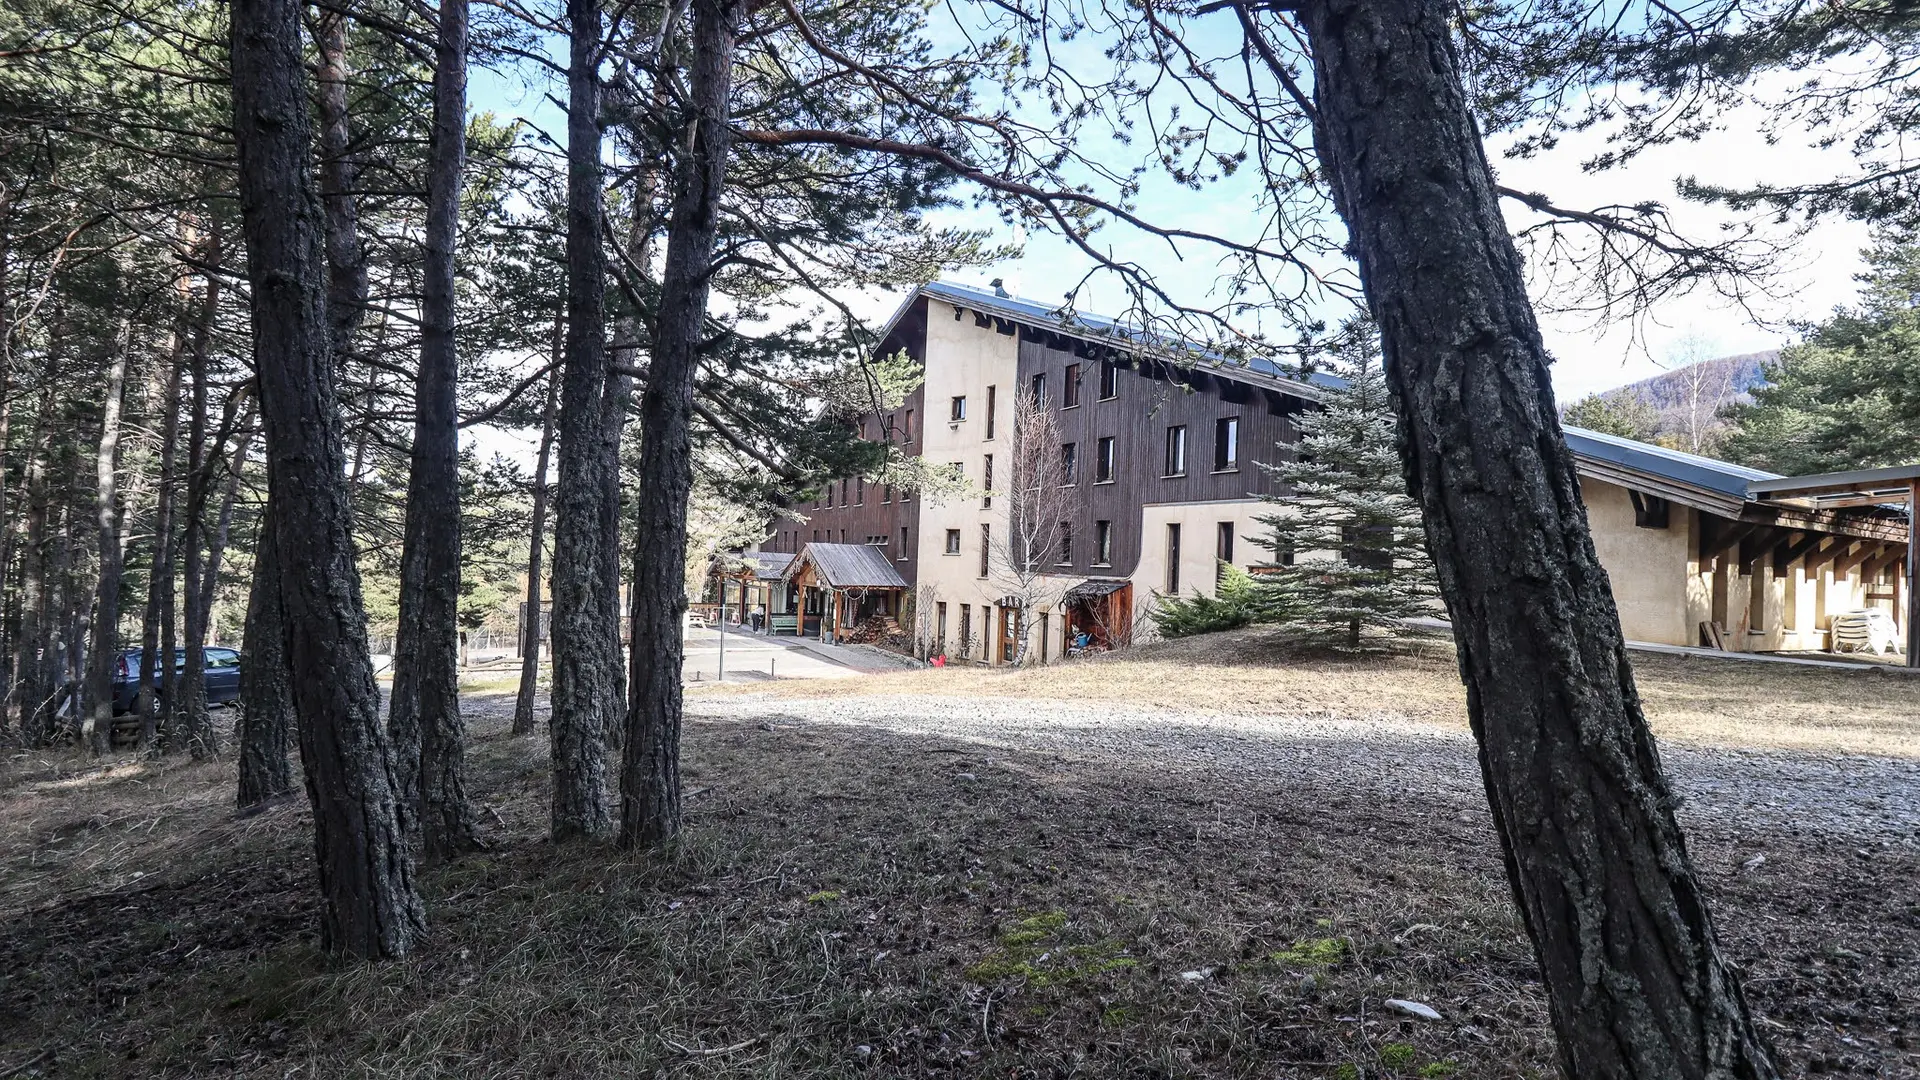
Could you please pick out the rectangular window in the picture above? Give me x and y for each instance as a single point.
(986, 484)
(860, 491)
(992, 402)
(1173, 560)
(1039, 389)
(903, 543)
(1103, 543)
(1103, 460)
(957, 471)
(1176, 451)
(940, 627)
(886, 494)
(843, 536)
(986, 549)
(1070, 390)
(953, 541)
(1066, 543)
(1069, 463)
(1226, 443)
(959, 407)
(829, 495)
(843, 494)
(966, 628)
(1223, 548)
(816, 536)
(906, 429)
(1109, 380)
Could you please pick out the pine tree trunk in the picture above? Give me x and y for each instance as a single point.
(346, 262)
(369, 905)
(424, 714)
(159, 614)
(195, 724)
(223, 521)
(1636, 982)
(650, 777)
(30, 684)
(101, 654)
(586, 617)
(266, 693)
(530, 644)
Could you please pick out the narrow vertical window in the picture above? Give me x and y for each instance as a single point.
(992, 396)
(1103, 543)
(1066, 543)
(1226, 443)
(1109, 379)
(906, 429)
(1223, 548)
(1103, 460)
(986, 548)
(1176, 464)
(986, 484)
(959, 408)
(903, 543)
(1069, 463)
(1039, 389)
(1070, 389)
(1173, 560)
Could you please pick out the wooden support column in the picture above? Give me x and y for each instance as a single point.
(1913, 576)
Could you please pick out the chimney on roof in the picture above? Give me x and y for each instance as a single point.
(998, 288)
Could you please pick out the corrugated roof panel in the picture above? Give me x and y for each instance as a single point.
(1704, 472)
(852, 566)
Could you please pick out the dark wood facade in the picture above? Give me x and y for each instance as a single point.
(859, 511)
(1147, 400)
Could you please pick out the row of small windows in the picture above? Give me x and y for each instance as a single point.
(858, 494)
(1226, 458)
(1102, 545)
(1069, 394)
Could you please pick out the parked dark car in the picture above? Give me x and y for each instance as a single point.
(223, 676)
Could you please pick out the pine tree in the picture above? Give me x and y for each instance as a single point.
(1348, 537)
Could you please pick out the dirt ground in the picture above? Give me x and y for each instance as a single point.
(1197, 861)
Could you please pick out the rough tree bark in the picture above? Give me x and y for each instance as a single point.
(1636, 982)
(530, 647)
(369, 905)
(30, 683)
(195, 724)
(424, 714)
(266, 694)
(650, 776)
(587, 686)
(98, 725)
(346, 261)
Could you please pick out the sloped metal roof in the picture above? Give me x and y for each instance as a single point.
(1094, 588)
(1702, 472)
(850, 566)
(1093, 327)
(768, 565)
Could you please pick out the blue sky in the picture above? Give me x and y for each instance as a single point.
(1588, 357)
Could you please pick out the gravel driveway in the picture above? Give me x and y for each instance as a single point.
(1730, 792)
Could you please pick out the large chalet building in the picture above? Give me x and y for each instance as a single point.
(1162, 460)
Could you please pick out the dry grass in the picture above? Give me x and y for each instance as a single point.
(860, 902)
(1729, 703)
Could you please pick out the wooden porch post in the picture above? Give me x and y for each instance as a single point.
(1913, 577)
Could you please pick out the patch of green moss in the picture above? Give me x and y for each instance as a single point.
(1434, 1070)
(1395, 1055)
(1312, 952)
(1034, 929)
(1116, 1016)
(1349, 1071)
(824, 896)
(1031, 953)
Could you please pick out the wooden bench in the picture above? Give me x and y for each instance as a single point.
(784, 624)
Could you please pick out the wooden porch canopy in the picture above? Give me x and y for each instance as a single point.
(1875, 490)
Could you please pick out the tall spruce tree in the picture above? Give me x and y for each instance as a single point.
(1347, 536)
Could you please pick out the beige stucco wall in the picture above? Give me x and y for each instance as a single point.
(1648, 568)
(1199, 524)
(962, 358)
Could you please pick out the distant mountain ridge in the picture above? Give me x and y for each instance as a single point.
(1737, 375)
